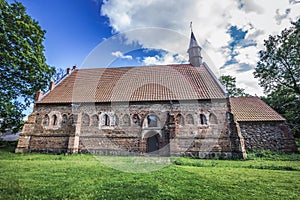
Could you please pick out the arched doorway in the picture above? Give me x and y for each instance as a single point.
(152, 143)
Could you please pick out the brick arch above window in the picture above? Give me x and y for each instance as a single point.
(189, 119)
(85, 119)
(95, 120)
(151, 121)
(71, 120)
(179, 119)
(107, 119)
(38, 119)
(213, 118)
(126, 120)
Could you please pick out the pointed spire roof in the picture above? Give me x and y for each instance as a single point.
(193, 41)
(194, 51)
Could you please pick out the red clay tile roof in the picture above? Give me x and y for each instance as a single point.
(253, 109)
(147, 83)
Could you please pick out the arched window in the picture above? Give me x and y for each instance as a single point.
(64, 119)
(213, 119)
(85, 120)
(106, 120)
(95, 120)
(136, 119)
(116, 120)
(179, 119)
(152, 121)
(38, 119)
(126, 120)
(71, 120)
(46, 120)
(189, 119)
(203, 120)
(54, 120)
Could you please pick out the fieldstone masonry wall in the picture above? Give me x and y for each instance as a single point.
(197, 129)
(201, 129)
(274, 136)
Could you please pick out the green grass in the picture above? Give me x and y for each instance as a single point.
(40, 176)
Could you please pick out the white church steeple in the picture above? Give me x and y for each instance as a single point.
(194, 51)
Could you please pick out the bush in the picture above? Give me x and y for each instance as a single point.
(271, 155)
(9, 146)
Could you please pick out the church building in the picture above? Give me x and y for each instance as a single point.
(162, 110)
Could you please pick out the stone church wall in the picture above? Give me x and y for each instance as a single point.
(187, 128)
(274, 136)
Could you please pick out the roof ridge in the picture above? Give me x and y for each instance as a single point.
(139, 66)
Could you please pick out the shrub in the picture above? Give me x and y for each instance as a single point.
(271, 155)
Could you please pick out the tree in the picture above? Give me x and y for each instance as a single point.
(279, 74)
(278, 66)
(60, 73)
(22, 63)
(229, 83)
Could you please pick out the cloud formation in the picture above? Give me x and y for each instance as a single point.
(211, 24)
(166, 58)
(119, 54)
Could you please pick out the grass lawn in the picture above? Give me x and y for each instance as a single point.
(39, 176)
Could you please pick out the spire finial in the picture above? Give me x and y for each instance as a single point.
(191, 26)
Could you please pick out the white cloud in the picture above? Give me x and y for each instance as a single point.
(211, 21)
(165, 59)
(119, 54)
(247, 55)
(243, 79)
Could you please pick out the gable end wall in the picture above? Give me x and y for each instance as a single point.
(274, 136)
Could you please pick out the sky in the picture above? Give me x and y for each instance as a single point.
(116, 33)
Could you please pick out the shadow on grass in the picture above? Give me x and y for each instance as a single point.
(8, 146)
(273, 167)
(264, 160)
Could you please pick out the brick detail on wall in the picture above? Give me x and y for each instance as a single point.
(180, 130)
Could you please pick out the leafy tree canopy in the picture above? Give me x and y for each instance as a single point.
(278, 71)
(60, 73)
(279, 63)
(229, 83)
(22, 63)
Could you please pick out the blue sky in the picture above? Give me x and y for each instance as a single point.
(92, 33)
(73, 28)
